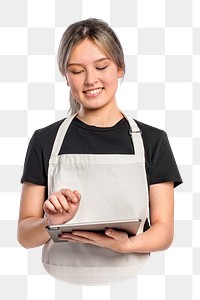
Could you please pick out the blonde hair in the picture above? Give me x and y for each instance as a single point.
(97, 31)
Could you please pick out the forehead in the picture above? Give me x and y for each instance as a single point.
(86, 50)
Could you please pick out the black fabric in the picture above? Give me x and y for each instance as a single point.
(85, 139)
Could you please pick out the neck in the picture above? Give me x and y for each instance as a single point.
(100, 118)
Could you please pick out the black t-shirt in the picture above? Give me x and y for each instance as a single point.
(85, 139)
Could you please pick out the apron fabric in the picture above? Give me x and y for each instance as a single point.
(112, 187)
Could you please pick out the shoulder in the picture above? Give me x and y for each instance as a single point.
(152, 136)
(160, 161)
(38, 153)
(42, 140)
(156, 144)
(49, 131)
(44, 137)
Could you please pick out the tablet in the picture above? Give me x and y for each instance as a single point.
(129, 226)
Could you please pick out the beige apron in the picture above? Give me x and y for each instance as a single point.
(112, 186)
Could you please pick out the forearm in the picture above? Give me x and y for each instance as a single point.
(32, 232)
(157, 238)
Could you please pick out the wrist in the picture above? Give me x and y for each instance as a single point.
(46, 221)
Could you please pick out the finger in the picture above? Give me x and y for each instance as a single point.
(66, 239)
(92, 236)
(77, 194)
(70, 195)
(70, 237)
(70, 240)
(66, 235)
(117, 235)
(55, 202)
(63, 202)
(49, 206)
(80, 239)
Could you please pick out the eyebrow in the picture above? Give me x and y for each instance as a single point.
(98, 60)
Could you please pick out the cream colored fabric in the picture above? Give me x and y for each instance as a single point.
(112, 187)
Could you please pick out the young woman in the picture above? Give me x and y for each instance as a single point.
(95, 164)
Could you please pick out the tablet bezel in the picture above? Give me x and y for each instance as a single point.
(130, 226)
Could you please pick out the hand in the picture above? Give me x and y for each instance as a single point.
(118, 241)
(62, 206)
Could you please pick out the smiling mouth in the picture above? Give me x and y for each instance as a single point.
(94, 91)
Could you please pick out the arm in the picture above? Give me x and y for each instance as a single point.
(158, 237)
(59, 208)
(31, 223)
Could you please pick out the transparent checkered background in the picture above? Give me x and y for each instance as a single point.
(161, 41)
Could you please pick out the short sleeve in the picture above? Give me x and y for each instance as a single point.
(164, 167)
(34, 170)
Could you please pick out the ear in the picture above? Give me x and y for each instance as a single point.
(120, 73)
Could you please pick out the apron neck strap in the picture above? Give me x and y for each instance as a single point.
(61, 134)
(135, 133)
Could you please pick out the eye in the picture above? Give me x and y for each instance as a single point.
(101, 68)
(76, 72)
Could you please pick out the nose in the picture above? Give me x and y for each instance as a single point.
(90, 78)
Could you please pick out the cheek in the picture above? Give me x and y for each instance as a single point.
(74, 83)
(111, 80)
(112, 76)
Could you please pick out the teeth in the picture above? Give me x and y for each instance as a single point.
(93, 91)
